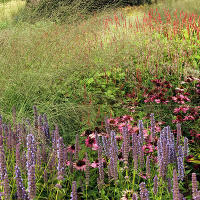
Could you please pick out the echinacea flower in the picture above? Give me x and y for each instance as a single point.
(80, 164)
(148, 148)
(91, 142)
(71, 148)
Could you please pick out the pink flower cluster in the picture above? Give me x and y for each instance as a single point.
(186, 113)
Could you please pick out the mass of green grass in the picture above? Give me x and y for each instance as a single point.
(119, 62)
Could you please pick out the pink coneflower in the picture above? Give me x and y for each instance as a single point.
(87, 133)
(112, 121)
(127, 118)
(119, 138)
(91, 142)
(95, 164)
(71, 148)
(148, 148)
(80, 164)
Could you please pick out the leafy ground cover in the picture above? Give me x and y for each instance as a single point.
(141, 73)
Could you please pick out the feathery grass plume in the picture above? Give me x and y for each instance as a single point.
(74, 191)
(31, 182)
(186, 149)
(178, 126)
(176, 193)
(45, 176)
(7, 138)
(2, 163)
(10, 139)
(155, 186)
(100, 179)
(148, 170)
(180, 163)
(134, 197)
(6, 187)
(153, 130)
(60, 156)
(87, 171)
(35, 117)
(21, 192)
(31, 151)
(14, 125)
(144, 193)
(77, 148)
(18, 157)
(125, 146)
(194, 185)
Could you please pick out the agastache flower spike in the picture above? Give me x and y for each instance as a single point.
(155, 187)
(1, 131)
(60, 156)
(100, 180)
(2, 163)
(148, 171)
(125, 145)
(21, 192)
(31, 182)
(74, 191)
(144, 194)
(6, 187)
(186, 149)
(180, 163)
(134, 196)
(176, 192)
(194, 185)
(141, 135)
(178, 133)
(31, 150)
